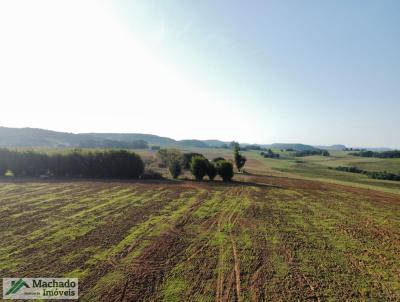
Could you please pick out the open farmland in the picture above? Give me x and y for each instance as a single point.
(265, 239)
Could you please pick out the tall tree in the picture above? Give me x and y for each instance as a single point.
(240, 160)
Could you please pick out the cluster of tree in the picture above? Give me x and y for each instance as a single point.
(108, 143)
(200, 167)
(312, 152)
(353, 149)
(103, 164)
(383, 154)
(349, 169)
(372, 174)
(384, 175)
(269, 154)
(196, 163)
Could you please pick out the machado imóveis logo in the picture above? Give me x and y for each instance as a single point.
(40, 288)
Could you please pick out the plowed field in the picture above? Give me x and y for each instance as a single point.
(273, 239)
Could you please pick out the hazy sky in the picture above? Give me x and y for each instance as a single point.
(316, 72)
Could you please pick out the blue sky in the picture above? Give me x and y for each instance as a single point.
(316, 72)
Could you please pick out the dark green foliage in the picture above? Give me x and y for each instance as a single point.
(311, 152)
(349, 169)
(270, 154)
(4, 160)
(110, 164)
(376, 175)
(217, 159)
(199, 167)
(150, 174)
(26, 163)
(384, 154)
(325, 153)
(187, 159)
(175, 169)
(240, 160)
(211, 170)
(155, 148)
(384, 175)
(225, 170)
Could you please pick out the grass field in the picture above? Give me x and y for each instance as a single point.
(269, 239)
(316, 168)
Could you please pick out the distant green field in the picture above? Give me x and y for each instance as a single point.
(317, 167)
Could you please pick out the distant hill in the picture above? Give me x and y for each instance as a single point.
(296, 147)
(215, 143)
(34, 137)
(150, 138)
(333, 147)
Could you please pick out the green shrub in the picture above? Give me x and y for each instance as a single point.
(225, 170)
(199, 167)
(187, 159)
(174, 168)
(211, 170)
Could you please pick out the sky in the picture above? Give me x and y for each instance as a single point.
(314, 72)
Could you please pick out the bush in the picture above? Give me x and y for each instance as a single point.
(199, 167)
(225, 170)
(211, 171)
(187, 159)
(174, 168)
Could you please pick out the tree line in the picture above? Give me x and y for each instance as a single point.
(371, 174)
(101, 164)
(311, 152)
(383, 154)
(115, 164)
